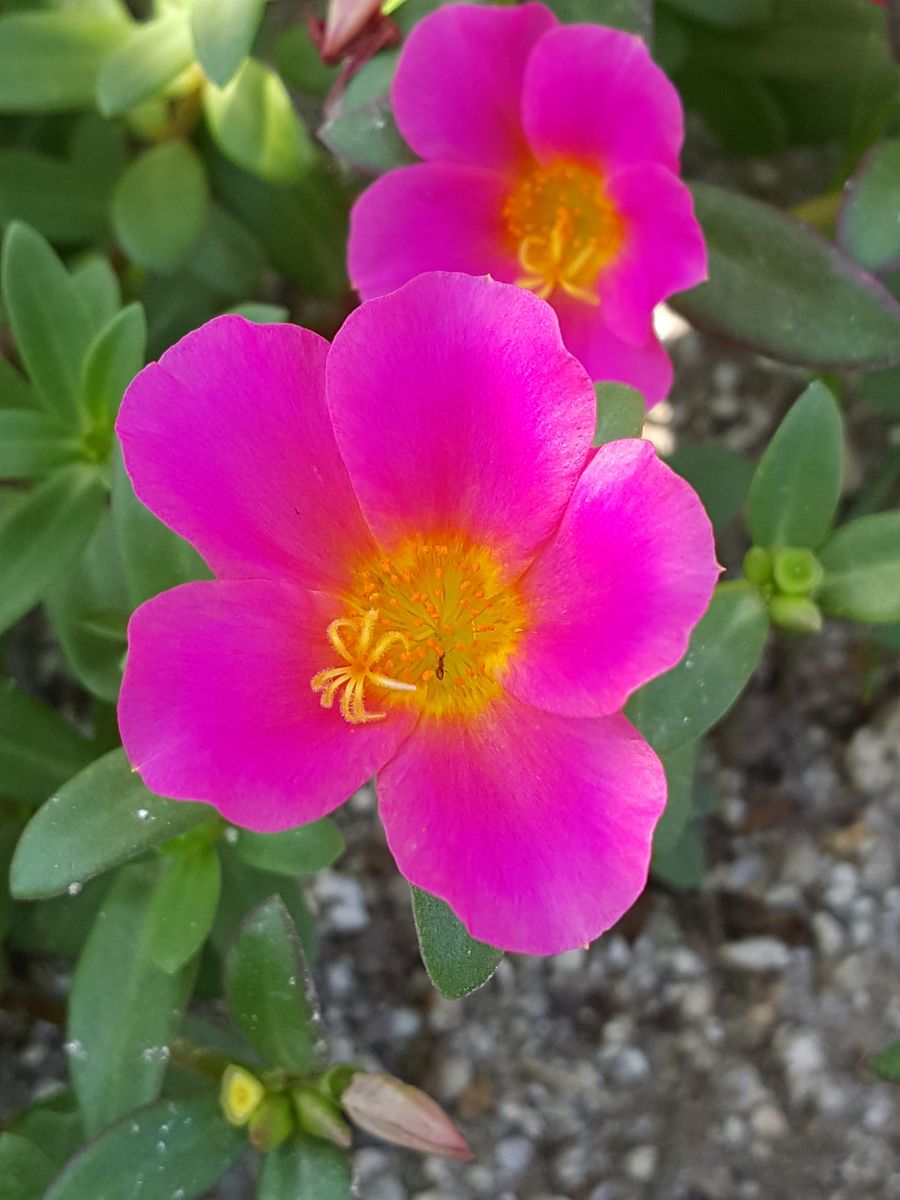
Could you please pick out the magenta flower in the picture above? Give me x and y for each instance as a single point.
(550, 155)
(423, 573)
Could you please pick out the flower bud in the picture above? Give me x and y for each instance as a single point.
(797, 571)
(319, 1116)
(271, 1123)
(398, 1113)
(796, 613)
(240, 1095)
(758, 565)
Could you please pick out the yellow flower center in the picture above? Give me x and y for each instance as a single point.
(563, 227)
(430, 625)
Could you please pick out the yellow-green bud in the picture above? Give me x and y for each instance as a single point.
(240, 1095)
(271, 1123)
(320, 1117)
(796, 613)
(758, 566)
(797, 571)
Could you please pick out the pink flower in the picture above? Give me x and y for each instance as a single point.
(550, 155)
(422, 572)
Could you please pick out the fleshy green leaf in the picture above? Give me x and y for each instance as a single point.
(114, 358)
(681, 865)
(15, 390)
(724, 651)
(53, 195)
(102, 817)
(175, 1148)
(53, 1123)
(253, 123)
(50, 60)
(223, 34)
(297, 852)
(721, 477)
(123, 1008)
(868, 227)
(33, 443)
(620, 412)
(633, 15)
(25, 1170)
(51, 325)
(729, 14)
(228, 258)
(98, 288)
(744, 114)
(887, 1063)
(244, 888)
(43, 533)
(679, 765)
(88, 608)
(779, 288)
(39, 751)
(160, 206)
(881, 389)
(862, 570)
(796, 487)
(154, 558)
(183, 907)
(455, 962)
(361, 130)
(262, 314)
(145, 63)
(300, 64)
(270, 991)
(308, 1167)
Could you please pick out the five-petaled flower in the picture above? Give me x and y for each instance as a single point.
(423, 573)
(550, 158)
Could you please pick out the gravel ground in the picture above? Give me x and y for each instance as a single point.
(715, 1045)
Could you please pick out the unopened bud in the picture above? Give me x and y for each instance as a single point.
(796, 613)
(271, 1123)
(398, 1113)
(758, 565)
(240, 1095)
(319, 1116)
(797, 571)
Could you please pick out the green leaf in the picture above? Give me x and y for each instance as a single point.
(297, 852)
(88, 608)
(126, 1162)
(796, 487)
(243, 888)
(781, 289)
(51, 326)
(228, 257)
(361, 128)
(223, 34)
(679, 765)
(39, 751)
(300, 64)
(724, 651)
(123, 1008)
(308, 1167)
(25, 1170)
(50, 60)
(887, 1062)
(102, 817)
(15, 390)
(114, 358)
(456, 963)
(721, 477)
(33, 443)
(98, 288)
(682, 864)
(43, 533)
(270, 991)
(154, 558)
(729, 14)
(152, 56)
(862, 570)
(58, 927)
(53, 195)
(868, 227)
(160, 206)
(744, 114)
(253, 123)
(881, 389)
(262, 314)
(183, 907)
(633, 15)
(620, 412)
(53, 1123)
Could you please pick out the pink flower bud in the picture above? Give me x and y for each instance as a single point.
(398, 1113)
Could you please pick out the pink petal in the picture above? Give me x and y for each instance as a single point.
(228, 440)
(607, 357)
(216, 704)
(429, 217)
(457, 91)
(458, 411)
(613, 597)
(594, 93)
(664, 251)
(535, 828)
